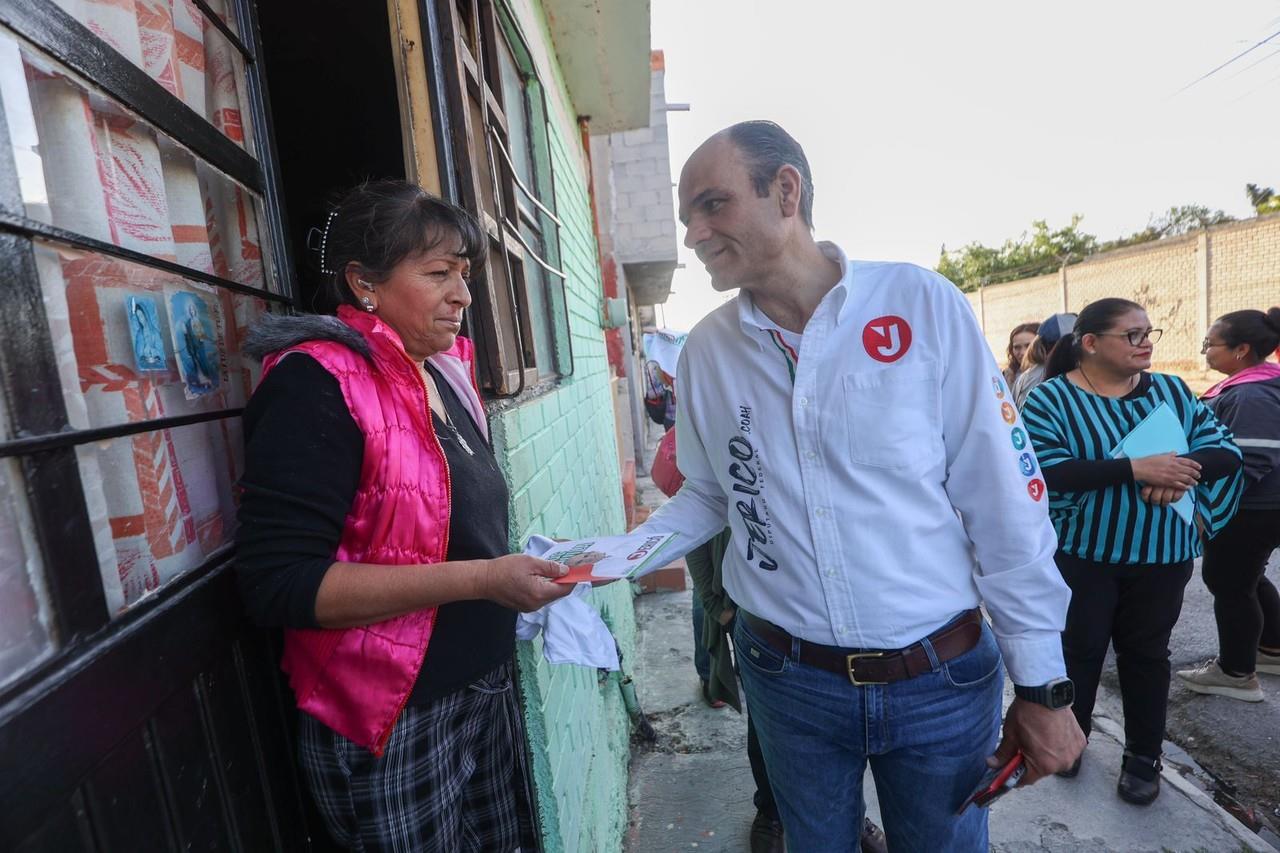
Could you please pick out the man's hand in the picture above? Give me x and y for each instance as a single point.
(521, 582)
(726, 616)
(1050, 740)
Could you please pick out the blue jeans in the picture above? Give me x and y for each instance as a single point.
(701, 657)
(927, 739)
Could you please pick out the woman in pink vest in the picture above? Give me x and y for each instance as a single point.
(373, 529)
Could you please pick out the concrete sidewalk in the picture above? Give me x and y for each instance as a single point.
(692, 789)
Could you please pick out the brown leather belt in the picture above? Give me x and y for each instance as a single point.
(876, 667)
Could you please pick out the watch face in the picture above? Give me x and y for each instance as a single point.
(1062, 694)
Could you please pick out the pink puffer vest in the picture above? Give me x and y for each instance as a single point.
(357, 680)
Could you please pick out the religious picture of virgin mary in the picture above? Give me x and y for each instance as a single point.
(194, 343)
(144, 331)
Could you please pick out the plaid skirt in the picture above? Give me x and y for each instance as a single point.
(453, 776)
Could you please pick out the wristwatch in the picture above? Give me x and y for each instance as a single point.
(1056, 694)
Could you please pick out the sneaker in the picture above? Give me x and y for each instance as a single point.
(1269, 664)
(1210, 678)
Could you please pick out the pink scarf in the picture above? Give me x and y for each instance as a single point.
(1258, 373)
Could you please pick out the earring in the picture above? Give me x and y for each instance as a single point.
(367, 303)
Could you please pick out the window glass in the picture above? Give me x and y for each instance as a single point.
(87, 165)
(173, 42)
(134, 343)
(26, 637)
(513, 104)
(160, 503)
(535, 278)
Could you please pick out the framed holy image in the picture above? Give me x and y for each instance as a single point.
(195, 343)
(145, 334)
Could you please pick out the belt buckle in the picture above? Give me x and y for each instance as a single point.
(848, 662)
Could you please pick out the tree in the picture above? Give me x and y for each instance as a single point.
(1263, 199)
(1174, 222)
(1044, 251)
(1037, 253)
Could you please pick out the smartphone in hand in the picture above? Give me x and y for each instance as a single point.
(996, 783)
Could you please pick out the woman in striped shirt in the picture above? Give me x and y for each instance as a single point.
(1124, 550)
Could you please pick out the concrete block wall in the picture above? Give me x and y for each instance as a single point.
(1244, 267)
(1184, 283)
(1162, 278)
(1004, 309)
(559, 454)
(645, 228)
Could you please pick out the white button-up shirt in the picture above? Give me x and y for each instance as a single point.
(878, 482)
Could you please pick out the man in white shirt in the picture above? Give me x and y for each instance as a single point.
(849, 423)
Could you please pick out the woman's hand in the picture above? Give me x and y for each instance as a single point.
(521, 582)
(1160, 495)
(1166, 470)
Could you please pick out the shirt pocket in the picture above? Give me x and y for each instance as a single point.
(894, 418)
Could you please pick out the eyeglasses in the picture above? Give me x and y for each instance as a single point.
(1135, 337)
(1207, 345)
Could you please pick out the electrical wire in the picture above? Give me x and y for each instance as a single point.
(1255, 63)
(1245, 52)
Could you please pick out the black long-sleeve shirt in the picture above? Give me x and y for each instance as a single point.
(1252, 413)
(1110, 523)
(303, 453)
(1083, 475)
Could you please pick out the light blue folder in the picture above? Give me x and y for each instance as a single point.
(1159, 432)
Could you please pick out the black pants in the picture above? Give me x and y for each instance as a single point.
(1135, 608)
(763, 799)
(1245, 604)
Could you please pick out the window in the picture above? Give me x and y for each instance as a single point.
(25, 632)
(191, 56)
(134, 213)
(89, 165)
(502, 149)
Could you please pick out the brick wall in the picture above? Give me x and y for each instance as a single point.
(1002, 310)
(1244, 267)
(1184, 283)
(642, 197)
(559, 455)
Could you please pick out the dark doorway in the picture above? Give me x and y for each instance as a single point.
(332, 89)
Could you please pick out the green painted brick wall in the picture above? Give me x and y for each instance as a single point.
(559, 455)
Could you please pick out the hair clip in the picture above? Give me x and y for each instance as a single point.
(324, 237)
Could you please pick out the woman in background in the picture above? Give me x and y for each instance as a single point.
(1019, 341)
(1246, 605)
(1124, 550)
(1033, 361)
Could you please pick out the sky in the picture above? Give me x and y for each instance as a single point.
(930, 123)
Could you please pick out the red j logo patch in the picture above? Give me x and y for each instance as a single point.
(887, 338)
(1036, 489)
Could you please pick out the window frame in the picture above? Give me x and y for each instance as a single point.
(487, 185)
(43, 440)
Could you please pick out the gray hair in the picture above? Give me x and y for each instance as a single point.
(768, 148)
